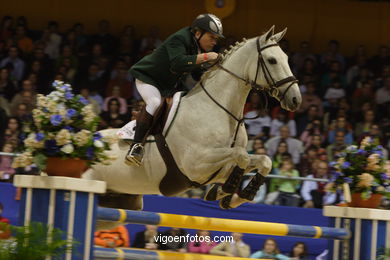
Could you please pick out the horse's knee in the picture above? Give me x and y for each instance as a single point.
(266, 165)
(242, 157)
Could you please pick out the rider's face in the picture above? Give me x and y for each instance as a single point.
(207, 41)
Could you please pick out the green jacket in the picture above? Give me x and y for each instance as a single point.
(165, 67)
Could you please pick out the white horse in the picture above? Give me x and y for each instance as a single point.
(202, 134)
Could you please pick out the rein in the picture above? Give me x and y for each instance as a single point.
(272, 85)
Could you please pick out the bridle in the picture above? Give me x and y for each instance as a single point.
(273, 86)
(272, 89)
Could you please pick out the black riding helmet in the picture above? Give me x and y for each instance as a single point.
(208, 23)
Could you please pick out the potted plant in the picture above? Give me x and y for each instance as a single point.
(360, 170)
(35, 242)
(62, 139)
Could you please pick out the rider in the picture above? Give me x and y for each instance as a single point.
(159, 73)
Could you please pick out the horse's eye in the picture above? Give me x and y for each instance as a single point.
(272, 61)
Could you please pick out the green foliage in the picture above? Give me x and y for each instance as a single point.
(35, 242)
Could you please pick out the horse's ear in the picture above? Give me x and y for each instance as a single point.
(266, 36)
(277, 37)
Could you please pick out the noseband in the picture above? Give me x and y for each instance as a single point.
(273, 86)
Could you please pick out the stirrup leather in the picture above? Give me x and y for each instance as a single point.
(135, 157)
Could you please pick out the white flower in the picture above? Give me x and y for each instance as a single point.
(63, 137)
(68, 148)
(82, 137)
(98, 143)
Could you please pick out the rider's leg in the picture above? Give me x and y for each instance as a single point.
(152, 97)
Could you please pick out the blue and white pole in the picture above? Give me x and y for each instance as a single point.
(69, 204)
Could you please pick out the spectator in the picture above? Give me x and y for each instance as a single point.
(312, 133)
(5, 233)
(259, 127)
(311, 114)
(52, 39)
(270, 250)
(121, 80)
(13, 61)
(235, 248)
(117, 95)
(113, 118)
(288, 195)
(257, 143)
(108, 42)
(303, 54)
(254, 102)
(333, 54)
(147, 239)
(313, 193)
(334, 148)
(6, 170)
(335, 91)
(7, 87)
(362, 95)
(295, 147)
(24, 43)
(382, 95)
(379, 61)
(177, 245)
(12, 132)
(341, 124)
(310, 98)
(27, 97)
(363, 127)
(151, 42)
(204, 243)
(86, 94)
(281, 152)
(299, 252)
(6, 28)
(282, 119)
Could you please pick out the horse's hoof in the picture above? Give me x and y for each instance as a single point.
(224, 203)
(215, 193)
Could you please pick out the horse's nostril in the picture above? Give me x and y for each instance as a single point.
(295, 101)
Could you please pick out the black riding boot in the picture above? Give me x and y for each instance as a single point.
(136, 151)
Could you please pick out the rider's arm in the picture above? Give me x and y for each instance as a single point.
(181, 61)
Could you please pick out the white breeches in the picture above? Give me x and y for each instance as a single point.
(150, 94)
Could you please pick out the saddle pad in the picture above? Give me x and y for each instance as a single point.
(127, 132)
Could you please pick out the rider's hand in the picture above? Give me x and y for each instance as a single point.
(212, 56)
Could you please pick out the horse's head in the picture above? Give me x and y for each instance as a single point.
(269, 70)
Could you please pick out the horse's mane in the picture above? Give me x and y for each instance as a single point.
(224, 56)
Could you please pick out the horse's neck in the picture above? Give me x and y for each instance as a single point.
(226, 89)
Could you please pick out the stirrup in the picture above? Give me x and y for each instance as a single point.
(135, 157)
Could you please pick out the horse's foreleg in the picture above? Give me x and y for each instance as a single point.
(264, 165)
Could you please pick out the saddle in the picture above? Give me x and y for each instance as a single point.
(174, 181)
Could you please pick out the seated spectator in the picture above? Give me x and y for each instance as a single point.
(236, 248)
(312, 192)
(147, 239)
(113, 118)
(382, 95)
(175, 240)
(116, 237)
(283, 119)
(270, 250)
(313, 130)
(116, 94)
(341, 124)
(299, 252)
(253, 103)
(6, 170)
(288, 189)
(86, 94)
(311, 114)
(259, 127)
(363, 127)
(12, 132)
(204, 243)
(310, 98)
(335, 91)
(334, 148)
(13, 60)
(5, 233)
(281, 151)
(121, 80)
(295, 147)
(310, 155)
(7, 87)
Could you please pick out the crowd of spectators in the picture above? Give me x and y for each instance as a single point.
(344, 98)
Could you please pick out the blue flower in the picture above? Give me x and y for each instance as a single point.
(69, 128)
(380, 153)
(68, 95)
(90, 153)
(83, 100)
(97, 136)
(39, 136)
(384, 176)
(51, 147)
(347, 180)
(361, 152)
(332, 164)
(71, 113)
(56, 119)
(345, 165)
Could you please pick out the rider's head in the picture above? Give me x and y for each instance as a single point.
(207, 28)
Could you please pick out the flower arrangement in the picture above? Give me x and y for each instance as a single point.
(362, 168)
(64, 125)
